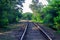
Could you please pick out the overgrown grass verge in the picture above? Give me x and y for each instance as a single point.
(8, 27)
(49, 26)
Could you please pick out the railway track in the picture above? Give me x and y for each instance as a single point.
(34, 32)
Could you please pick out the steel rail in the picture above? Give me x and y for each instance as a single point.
(24, 32)
(43, 31)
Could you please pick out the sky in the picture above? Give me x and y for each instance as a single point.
(28, 2)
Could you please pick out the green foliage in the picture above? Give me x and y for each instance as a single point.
(27, 16)
(36, 8)
(49, 14)
(52, 14)
(9, 11)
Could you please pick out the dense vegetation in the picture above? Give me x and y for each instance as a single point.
(47, 14)
(36, 8)
(9, 11)
(27, 16)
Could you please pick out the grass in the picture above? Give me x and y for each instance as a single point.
(11, 27)
(57, 31)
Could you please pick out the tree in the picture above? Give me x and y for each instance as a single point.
(49, 14)
(36, 7)
(52, 14)
(27, 16)
(9, 11)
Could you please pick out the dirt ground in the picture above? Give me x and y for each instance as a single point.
(13, 34)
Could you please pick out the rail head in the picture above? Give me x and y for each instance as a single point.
(24, 32)
(43, 31)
